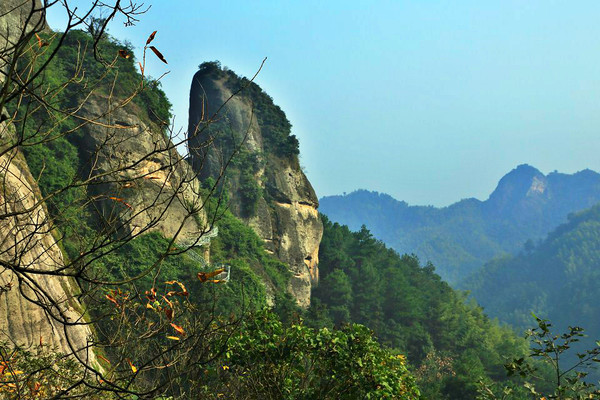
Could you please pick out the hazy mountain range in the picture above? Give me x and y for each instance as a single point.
(462, 237)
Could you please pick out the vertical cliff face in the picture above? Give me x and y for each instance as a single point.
(266, 186)
(35, 306)
(28, 252)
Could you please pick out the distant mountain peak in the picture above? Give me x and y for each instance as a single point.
(523, 181)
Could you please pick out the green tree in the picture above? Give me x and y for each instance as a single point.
(266, 359)
(546, 372)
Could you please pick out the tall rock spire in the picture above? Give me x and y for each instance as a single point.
(267, 188)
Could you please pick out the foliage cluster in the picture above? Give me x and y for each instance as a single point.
(119, 81)
(38, 373)
(544, 372)
(267, 359)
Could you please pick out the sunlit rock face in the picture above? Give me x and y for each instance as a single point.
(266, 186)
(28, 250)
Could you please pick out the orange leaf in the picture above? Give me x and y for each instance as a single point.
(183, 292)
(124, 54)
(121, 201)
(133, 368)
(41, 43)
(169, 313)
(112, 299)
(158, 54)
(150, 38)
(168, 301)
(178, 329)
(205, 276)
(141, 68)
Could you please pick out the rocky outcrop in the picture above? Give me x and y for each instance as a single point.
(17, 19)
(139, 180)
(266, 186)
(36, 305)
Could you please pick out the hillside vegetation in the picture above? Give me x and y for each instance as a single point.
(449, 341)
(557, 279)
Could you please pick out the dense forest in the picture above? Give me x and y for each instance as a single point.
(449, 341)
(460, 238)
(555, 279)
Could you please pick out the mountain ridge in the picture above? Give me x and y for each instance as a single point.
(461, 237)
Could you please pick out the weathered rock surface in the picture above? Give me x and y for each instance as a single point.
(35, 306)
(29, 251)
(267, 188)
(139, 180)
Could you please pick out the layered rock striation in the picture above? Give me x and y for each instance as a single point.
(237, 135)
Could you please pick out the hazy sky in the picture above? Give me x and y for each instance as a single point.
(429, 101)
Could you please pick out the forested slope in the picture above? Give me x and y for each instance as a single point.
(449, 341)
(557, 279)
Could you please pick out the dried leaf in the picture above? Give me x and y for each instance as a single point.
(141, 68)
(121, 201)
(169, 313)
(205, 276)
(112, 300)
(103, 358)
(150, 38)
(173, 338)
(124, 54)
(158, 54)
(41, 43)
(178, 329)
(133, 368)
(183, 292)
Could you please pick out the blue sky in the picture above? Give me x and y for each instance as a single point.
(429, 101)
